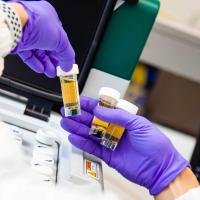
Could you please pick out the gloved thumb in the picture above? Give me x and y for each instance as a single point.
(65, 54)
(115, 116)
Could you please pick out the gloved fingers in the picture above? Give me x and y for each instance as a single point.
(49, 68)
(88, 104)
(65, 54)
(62, 112)
(53, 58)
(115, 116)
(32, 61)
(86, 145)
(85, 117)
(77, 128)
(74, 127)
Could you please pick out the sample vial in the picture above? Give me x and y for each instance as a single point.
(114, 132)
(108, 97)
(70, 91)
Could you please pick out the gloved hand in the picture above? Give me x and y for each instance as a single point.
(144, 155)
(44, 44)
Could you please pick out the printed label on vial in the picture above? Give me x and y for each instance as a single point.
(92, 169)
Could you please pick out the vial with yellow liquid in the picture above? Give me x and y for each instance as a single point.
(108, 97)
(114, 132)
(70, 91)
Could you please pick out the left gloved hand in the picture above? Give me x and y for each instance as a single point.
(44, 44)
(144, 155)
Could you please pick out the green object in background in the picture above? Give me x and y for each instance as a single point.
(125, 38)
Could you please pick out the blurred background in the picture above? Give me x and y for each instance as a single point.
(166, 82)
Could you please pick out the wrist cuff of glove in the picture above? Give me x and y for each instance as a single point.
(169, 176)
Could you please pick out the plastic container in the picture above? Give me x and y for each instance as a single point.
(70, 91)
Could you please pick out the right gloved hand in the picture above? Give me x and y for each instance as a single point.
(44, 44)
(144, 155)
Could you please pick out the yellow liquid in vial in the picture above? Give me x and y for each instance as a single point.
(70, 95)
(115, 131)
(99, 127)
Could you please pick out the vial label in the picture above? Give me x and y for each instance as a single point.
(109, 144)
(92, 169)
(70, 93)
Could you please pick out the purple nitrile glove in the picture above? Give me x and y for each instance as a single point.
(44, 44)
(144, 155)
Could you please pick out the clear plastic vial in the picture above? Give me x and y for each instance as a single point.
(70, 91)
(114, 132)
(108, 97)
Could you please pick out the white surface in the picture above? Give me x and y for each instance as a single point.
(44, 170)
(45, 137)
(118, 4)
(44, 150)
(13, 111)
(174, 44)
(43, 160)
(98, 79)
(12, 105)
(18, 181)
(183, 11)
(191, 195)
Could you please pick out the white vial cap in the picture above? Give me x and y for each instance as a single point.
(110, 92)
(45, 137)
(73, 71)
(127, 106)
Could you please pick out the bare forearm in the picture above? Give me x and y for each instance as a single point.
(181, 185)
